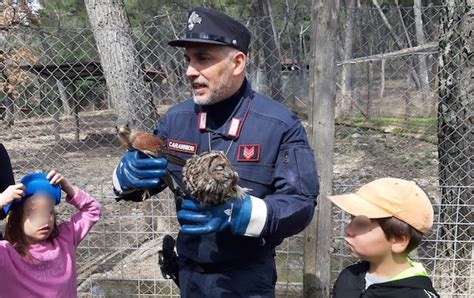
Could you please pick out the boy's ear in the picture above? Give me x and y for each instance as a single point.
(400, 244)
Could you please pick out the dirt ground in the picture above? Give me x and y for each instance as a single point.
(123, 245)
(362, 155)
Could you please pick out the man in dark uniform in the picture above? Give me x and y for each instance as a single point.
(229, 250)
(6, 175)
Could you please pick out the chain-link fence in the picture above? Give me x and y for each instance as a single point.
(57, 113)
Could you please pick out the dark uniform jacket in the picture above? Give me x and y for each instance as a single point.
(269, 148)
(351, 284)
(6, 174)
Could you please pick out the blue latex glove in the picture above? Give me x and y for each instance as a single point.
(242, 216)
(137, 171)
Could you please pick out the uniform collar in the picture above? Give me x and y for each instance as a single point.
(228, 116)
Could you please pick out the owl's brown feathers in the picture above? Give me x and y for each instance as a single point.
(211, 178)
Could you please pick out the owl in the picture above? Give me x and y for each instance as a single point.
(211, 179)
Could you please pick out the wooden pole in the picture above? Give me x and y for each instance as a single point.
(324, 14)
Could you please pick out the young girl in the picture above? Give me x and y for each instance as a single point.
(38, 257)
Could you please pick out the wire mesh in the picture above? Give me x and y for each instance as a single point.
(57, 113)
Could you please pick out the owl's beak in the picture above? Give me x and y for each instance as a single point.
(228, 173)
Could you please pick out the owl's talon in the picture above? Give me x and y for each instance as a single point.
(146, 195)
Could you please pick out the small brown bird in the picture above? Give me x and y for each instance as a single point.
(152, 146)
(147, 143)
(211, 178)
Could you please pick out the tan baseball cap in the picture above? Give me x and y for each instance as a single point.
(390, 197)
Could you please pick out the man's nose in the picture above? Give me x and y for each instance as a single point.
(191, 71)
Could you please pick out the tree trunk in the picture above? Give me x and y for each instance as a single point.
(394, 35)
(410, 60)
(456, 143)
(382, 87)
(324, 14)
(120, 62)
(407, 113)
(370, 71)
(422, 67)
(302, 44)
(9, 117)
(63, 96)
(402, 22)
(276, 38)
(270, 50)
(361, 39)
(370, 81)
(346, 84)
(75, 111)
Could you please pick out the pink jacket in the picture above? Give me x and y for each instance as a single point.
(52, 270)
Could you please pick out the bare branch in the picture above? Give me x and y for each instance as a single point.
(428, 48)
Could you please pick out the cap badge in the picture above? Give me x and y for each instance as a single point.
(194, 19)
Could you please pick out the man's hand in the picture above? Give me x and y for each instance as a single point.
(12, 193)
(137, 171)
(245, 216)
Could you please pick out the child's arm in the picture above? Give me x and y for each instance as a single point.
(89, 209)
(83, 220)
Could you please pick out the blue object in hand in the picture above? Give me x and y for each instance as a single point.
(245, 216)
(37, 183)
(138, 171)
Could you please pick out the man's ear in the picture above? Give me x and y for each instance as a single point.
(400, 244)
(238, 62)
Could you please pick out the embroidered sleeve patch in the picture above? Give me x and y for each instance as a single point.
(181, 146)
(249, 153)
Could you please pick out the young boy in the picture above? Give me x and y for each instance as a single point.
(389, 218)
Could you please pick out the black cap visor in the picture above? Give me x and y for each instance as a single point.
(184, 42)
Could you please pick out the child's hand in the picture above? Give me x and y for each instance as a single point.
(12, 193)
(55, 178)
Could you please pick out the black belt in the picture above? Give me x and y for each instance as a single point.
(211, 268)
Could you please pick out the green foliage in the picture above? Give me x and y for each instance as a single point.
(426, 125)
(143, 11)
(91, 93)
(63, 13)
